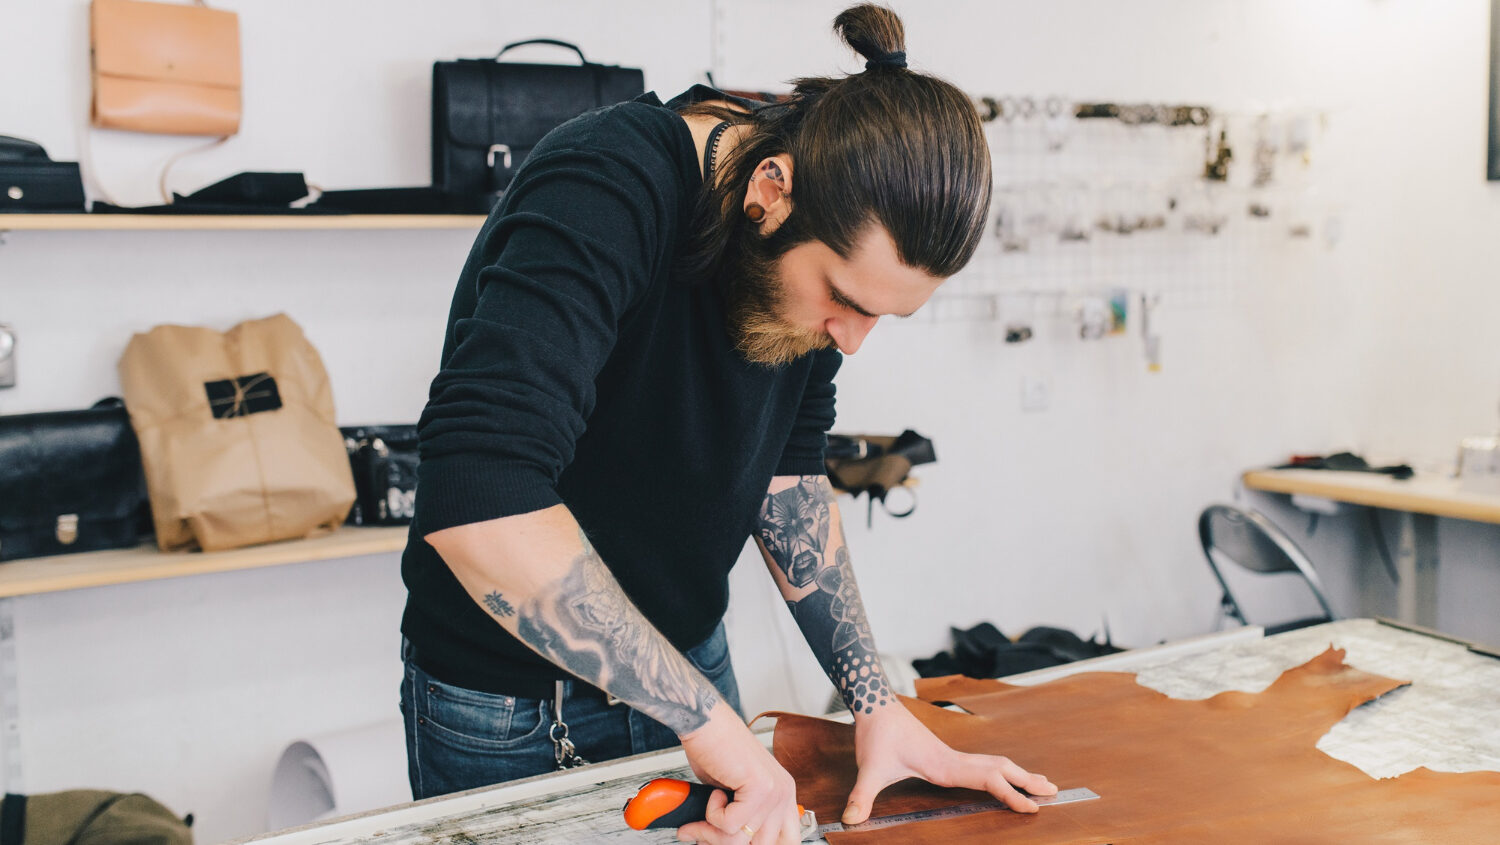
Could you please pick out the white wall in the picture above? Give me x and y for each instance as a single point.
(189, 688)
(1088, 510)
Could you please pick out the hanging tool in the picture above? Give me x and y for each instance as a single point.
(668, 803)
(1216, 168)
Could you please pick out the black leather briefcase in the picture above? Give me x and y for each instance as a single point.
(30, 182)
(488, 114)
(71, 481)
(384, 461)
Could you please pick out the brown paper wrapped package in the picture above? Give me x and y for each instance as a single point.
(247, 478)
(1235, 768)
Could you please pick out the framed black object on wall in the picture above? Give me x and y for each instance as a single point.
(1494, 169)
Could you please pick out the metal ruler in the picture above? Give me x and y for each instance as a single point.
(1066, 796)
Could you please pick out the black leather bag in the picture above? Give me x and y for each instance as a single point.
(252, 192)
(384, 461)
(71, 481)
(488, 114)
(32, 183)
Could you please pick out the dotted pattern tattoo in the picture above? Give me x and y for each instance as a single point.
(794, 526)
(498, 605)
(861, 681)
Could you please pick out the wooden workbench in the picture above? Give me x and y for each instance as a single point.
(1418, 502)
(1445, 721)
(1425, 493)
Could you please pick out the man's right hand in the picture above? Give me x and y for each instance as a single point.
(724, 753)
(540, 578)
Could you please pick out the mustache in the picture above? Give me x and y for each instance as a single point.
(771, 341)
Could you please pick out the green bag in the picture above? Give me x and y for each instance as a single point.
(90, 817)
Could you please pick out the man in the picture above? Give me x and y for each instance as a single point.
(638, 375)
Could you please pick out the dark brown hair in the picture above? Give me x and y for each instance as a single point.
(888, 145)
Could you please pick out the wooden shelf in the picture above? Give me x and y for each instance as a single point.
(145, 563)
(232, 222)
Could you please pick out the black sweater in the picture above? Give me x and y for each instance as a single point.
(582, 367)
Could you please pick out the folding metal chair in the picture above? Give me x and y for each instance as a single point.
(1251, 541)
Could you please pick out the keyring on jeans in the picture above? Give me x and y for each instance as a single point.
(563, 749)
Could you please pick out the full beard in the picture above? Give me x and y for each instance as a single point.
(755, 296)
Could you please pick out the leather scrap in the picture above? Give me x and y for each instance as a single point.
(1237, 767)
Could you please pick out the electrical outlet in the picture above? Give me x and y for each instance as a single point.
(1036, 393)
(7, 356)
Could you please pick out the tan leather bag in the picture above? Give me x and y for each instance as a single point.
(166, 68)
(237, 433)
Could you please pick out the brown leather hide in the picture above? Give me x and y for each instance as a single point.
(1238, 767)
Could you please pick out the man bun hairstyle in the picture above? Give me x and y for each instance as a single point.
(889, 145)
(874, 32)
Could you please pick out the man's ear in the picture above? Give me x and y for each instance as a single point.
(770, 190)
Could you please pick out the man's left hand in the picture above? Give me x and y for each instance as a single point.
(890, 745)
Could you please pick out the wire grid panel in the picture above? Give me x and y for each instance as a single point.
(1087, 206)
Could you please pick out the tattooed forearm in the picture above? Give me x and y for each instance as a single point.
(586, 624)
(795, 528)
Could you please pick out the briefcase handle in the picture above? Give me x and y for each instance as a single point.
(553, 41)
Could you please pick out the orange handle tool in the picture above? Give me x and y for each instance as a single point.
(667, 802)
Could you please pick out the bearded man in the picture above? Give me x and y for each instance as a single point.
(637, 376)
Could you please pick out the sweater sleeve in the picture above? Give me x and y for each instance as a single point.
(803, 454)
(578, 239)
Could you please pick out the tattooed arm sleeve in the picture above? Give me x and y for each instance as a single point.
(558, 597)
(800, 534)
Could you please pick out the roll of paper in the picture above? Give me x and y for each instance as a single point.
(340, 773)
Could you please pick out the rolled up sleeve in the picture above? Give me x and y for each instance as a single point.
(803, 454)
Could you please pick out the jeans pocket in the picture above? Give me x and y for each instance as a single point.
(711, 656)
(479, 721)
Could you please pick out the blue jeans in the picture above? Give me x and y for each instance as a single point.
(459, 739)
